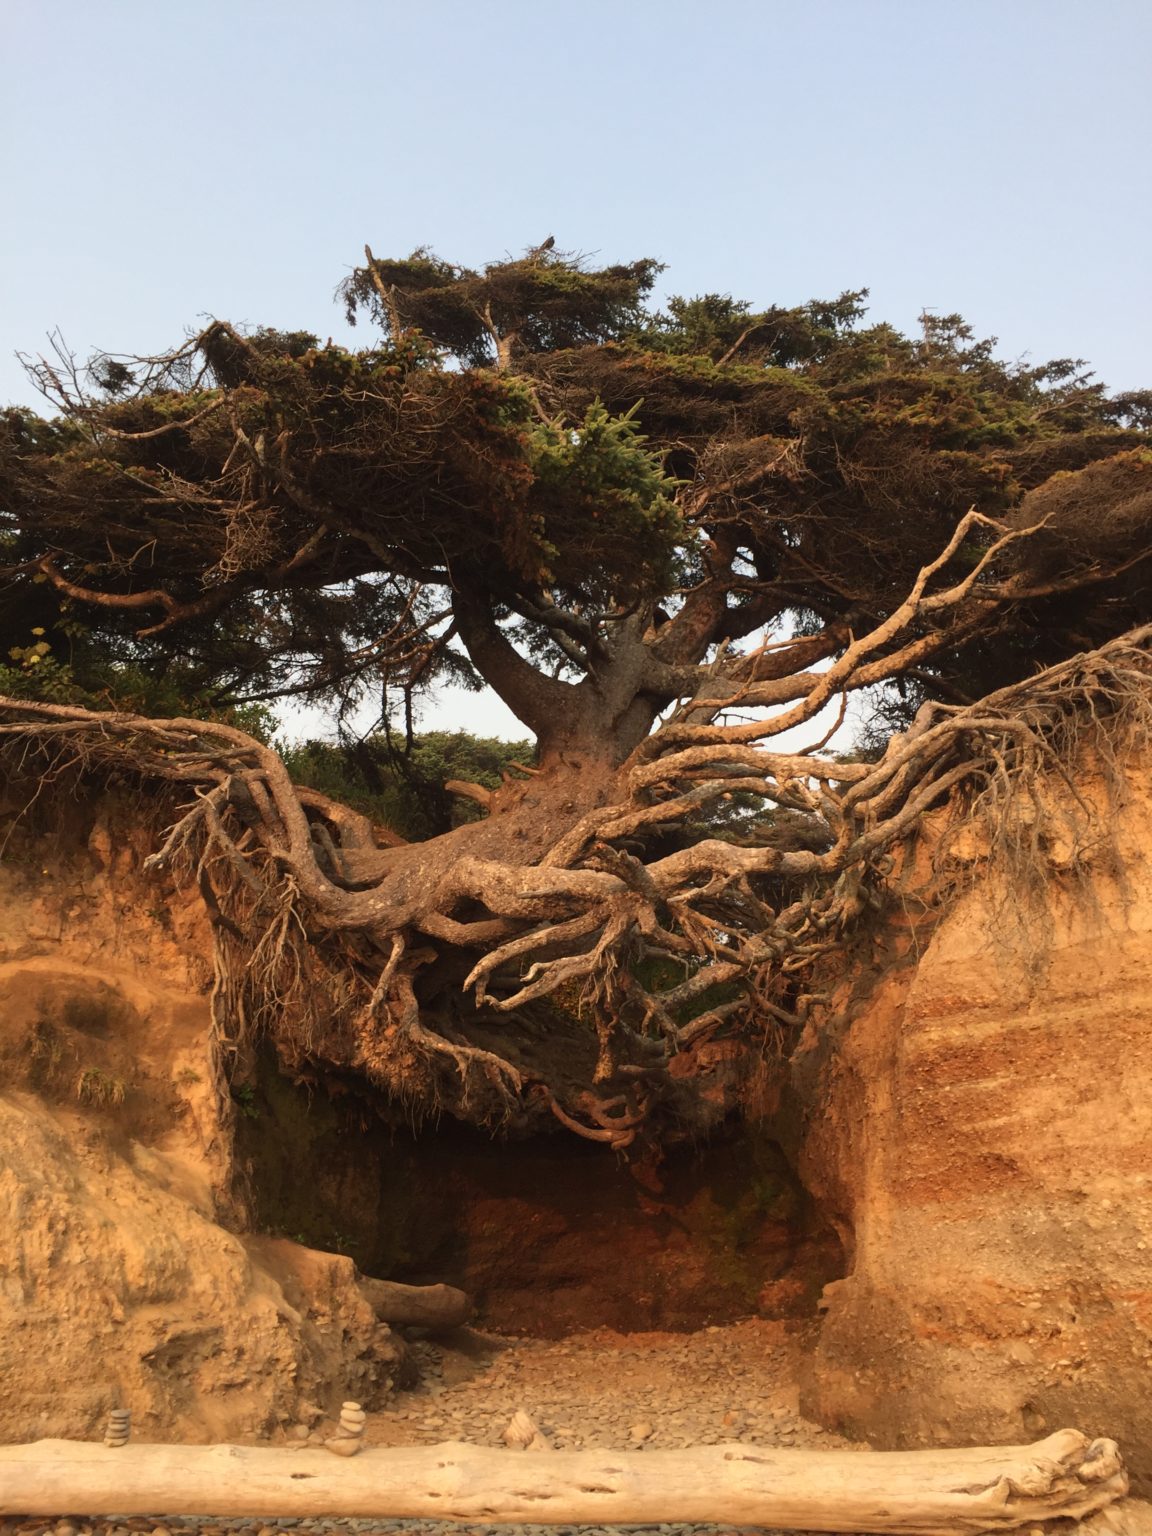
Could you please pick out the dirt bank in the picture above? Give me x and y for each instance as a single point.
(984, 1142)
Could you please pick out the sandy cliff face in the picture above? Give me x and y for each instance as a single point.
(118, 1284)
(116, 1288)
(984, 1136)
(980, 1131)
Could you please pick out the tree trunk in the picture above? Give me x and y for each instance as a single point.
(918, 1493)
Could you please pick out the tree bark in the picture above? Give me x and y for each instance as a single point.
(918, 1493)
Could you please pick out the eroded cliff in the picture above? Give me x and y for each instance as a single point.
(977, 1126)
(981, 1131)
(118, 1283)
(186, 1220)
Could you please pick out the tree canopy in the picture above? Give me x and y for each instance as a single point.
(663, 536)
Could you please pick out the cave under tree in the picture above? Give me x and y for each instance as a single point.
(664, 538)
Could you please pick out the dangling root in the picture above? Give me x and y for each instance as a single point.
(340, 969)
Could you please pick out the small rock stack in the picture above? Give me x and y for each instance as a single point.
(350, 1436)
(119, 1427)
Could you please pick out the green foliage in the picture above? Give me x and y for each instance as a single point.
(257, 515)
(387, 474)
(545, 301)
(610, 523)
(718, 327)
(244, 1098)
(402, 786)
(93, 681)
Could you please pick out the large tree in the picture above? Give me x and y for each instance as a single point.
(664, 538)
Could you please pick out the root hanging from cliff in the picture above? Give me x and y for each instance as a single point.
(1037, 813)
(510, 973)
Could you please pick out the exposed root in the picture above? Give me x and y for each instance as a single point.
(395, 994)
(651, 938)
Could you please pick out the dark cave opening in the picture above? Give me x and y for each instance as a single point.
(549, 1234)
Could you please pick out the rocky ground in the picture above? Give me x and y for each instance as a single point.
(600, 1390)
(610, 1391)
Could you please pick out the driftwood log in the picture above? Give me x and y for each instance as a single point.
(1127, 1517)
(918, 1493)
(422, 1306)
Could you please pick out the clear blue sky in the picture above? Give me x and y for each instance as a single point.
(167, 160)
(170, 159)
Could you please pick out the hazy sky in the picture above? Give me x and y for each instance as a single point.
(165, 160)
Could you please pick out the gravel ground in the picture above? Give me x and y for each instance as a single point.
(596, 1391)
(609, 1391)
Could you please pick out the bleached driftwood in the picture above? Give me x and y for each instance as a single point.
(1127, 1517)
(917, 1493)
(423, 1306)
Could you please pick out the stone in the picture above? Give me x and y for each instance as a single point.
(520, 1432)
(343, 1447)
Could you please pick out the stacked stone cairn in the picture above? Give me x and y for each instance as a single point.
(119, 1428)
(350, 1436)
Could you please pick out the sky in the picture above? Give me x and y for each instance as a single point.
(166, 162)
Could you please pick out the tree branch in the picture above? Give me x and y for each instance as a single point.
(531, 696)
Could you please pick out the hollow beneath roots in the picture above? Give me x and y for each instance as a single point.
(550, 1235)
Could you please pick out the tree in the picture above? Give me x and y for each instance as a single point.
(664, 539)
